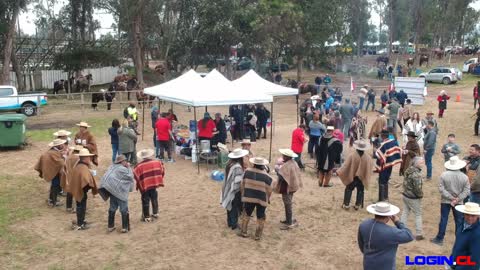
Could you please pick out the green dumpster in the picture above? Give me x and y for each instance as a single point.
(12, 130)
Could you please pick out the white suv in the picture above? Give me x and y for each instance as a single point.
(443, 75)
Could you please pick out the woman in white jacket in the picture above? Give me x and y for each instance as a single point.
(414, 124)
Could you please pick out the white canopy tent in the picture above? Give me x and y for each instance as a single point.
(252, 82)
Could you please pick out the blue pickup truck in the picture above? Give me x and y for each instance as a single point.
(26, 103)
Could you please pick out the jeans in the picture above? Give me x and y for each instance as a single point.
(260, 127)
(356, 183)
(114, 151)
(287, 203)
(383, 178)
(414, 205)
(69, 203)
(155, 143)
(299, 161)
(164, 145)
(129, 156)
(346, 128)
(313, 144)
(475, 197)
(116, 203)
(234, 213)
(368, 105)
(442, 226)
(82, 207)
(249, 207)
(147, 197)
(360, 105)
(428, 162)
(477, 122)
(54, 190)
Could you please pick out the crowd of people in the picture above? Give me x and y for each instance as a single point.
(329, 125)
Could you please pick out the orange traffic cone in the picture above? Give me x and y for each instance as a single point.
(458, 98)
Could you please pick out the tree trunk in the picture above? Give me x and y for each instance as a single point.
(18, 72)
(137, 43)
(8, 48)
(228, 65)
(299, 68)
(391, 26)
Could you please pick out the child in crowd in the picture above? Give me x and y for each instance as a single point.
(450, 149)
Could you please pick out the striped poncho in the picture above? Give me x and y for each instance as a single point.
(387, 155)
(118, 180)
(149, 174)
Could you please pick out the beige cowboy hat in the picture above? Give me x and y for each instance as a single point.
(62, 133)
(238, 153)
(331, 128)
(85, 153)
(455, 163)
(83, 124)
(288, 153)
(57, 142)
(120, 159)
(383, 209)
(258, 161)
(469, 208)
(315, 97)
(145, 154)
(361, 145)
(77, 147)
(246, 141)
(222, 147)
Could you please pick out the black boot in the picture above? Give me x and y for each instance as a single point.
(125, 222)
(386, 192)
(111, 221)
(381, 192)
(347, 197)
(359, 200)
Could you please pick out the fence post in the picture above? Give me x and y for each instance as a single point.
(39, 104)
(82, 103)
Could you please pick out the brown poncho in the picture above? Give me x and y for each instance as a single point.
(81, 177)
(356, 165)
(291, 173)
(413, 151)
(70, 164)
(377, 126)
(91, 144)
(50, 164)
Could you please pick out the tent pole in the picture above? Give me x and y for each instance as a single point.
(271, 131)
(206, 108)
(196, 139)
(171, 106)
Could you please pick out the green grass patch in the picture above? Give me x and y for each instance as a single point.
(99, 128)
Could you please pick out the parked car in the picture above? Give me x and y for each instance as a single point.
(466, 64)
(26, 103)
(443, 75)
(281, 67)
(245, 63)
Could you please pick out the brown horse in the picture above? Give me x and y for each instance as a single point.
(410, 62)
(305, 88)
(144, 98)
(423, 59)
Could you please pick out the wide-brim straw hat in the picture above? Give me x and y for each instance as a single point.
(469, 208)
(77, 147)
(332, 128)
(288, 153)
(361, 145)
(85, 153)
(83, 124)
(258, 161)
(238, 153)
(62, 133)
(383, 209)
(57, 142)
(315, 97)
(246, 141)
(222, 147)
(145, 154)
(430, 113)
(120, 159)
(455, 163)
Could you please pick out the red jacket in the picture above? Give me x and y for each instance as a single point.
(298, 139)
(475, 92)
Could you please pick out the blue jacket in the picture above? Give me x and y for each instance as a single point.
(467, 243)
(401, 96)
(113, 135)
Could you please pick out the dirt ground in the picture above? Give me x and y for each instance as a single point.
(191, 232)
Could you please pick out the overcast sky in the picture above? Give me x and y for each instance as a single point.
(106, 20)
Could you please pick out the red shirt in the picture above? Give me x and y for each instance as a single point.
(206, 132)
(163, 127)
(298, 139)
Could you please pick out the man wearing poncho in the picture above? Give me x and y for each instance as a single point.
(50, 168)
(387, 155)
(118, 181)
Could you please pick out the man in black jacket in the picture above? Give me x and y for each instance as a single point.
(262, 118)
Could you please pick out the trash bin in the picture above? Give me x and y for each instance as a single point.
(12, 130)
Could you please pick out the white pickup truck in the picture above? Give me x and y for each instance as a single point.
(26, 103)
